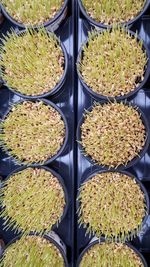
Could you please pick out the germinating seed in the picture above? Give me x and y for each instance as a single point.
(32, 200)
(32, 251)
(112, 255)
(113, 134)
(32, 12)
(113, 63)
(32, 63)
(32, 132)
(113, 11)
(111, 204)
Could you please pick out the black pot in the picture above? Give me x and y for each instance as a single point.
(53, 24)
(60, 179)
(133, 161)
(143, 189)
(59, 244)
(102, 97)
(102, 25)
(47, 102)
(56, 88)
(95, 242)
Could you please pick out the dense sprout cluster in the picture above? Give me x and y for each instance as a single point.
(112, 204)
(113, 11)
(32, 12)
(111, 254)
(32, 251)
(113, 63)
(32, 200)
(113, 134)
(32, 63)
(32, 132)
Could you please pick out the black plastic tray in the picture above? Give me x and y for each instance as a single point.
(64, 165)
(141, 99)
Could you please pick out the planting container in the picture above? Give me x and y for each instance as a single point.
(85, 100)
(56, 88)
(95, 241)
(47, 102)
(133, 92)
(53, 238)
(52, 24)
(134, 160)
(86, 178)
(104, 26)
(55, 174)
(63, 164)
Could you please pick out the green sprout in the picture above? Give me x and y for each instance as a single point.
(113, 11)
(113, 134)
(32, 132)
(113, 63)
(32, 63)
(112, 204)
(32, 251)
(33, 200)
(111, 254)
(32, 12)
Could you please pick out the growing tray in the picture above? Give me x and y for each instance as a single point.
(84, 101)
(64, 164)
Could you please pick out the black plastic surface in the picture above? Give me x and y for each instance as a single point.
(142, 99)
(64, 165)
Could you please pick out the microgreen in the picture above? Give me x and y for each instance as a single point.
(111, 254)
(32, 12)
(113, 62)
(112, 204)
(113, 134)
(32, 251)
(32, 132)
(32, 200)
(31, 63)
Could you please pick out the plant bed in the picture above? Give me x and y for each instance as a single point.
(104, 14)
(114, 205)
(34, 132)
(111, 254)
(113, 64)
(35, 13)
(114, 135)
(34, 251)
(33, 200)
(34, 63)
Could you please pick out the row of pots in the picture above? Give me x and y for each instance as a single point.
(80, 58)
(54, 22)
(85, 181)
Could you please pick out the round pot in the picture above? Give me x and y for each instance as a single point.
(96, 241)
(95, 24)
(51, 237)
(56, 88)
(53, 23)
(102, 97)
(60, 179)
(47, 102)
(130, 163)
(142, 187)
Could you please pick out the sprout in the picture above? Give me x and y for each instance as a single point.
(32, 63)
(113, 11)
(32, 132)
(113, 134)
(112, 204)
(33, 200)
(32, 12)
(32, 251)
(113, 63)
(111, 254)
